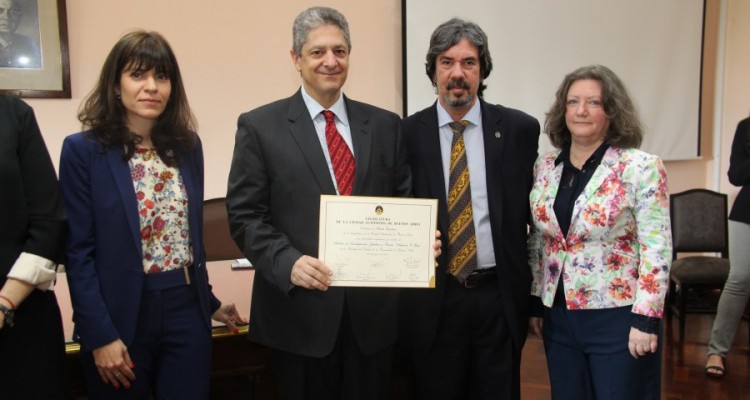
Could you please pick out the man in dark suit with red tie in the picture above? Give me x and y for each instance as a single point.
(326, 342)
(477, 159)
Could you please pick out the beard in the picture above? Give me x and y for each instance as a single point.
(461, 101)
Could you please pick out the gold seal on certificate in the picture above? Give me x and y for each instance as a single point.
(378, 241)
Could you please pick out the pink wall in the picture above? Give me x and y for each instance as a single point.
(235, 58)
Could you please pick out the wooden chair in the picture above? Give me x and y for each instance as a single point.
(699, 225)
(232, 355)
(217, 240)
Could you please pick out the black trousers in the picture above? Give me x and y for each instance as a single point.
(472, 356)
(345, 374)
(32, 353)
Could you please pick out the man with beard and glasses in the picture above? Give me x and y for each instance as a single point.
(477, 159)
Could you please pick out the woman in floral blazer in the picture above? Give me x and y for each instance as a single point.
(600, 246)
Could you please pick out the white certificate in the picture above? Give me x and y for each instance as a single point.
(378, 241)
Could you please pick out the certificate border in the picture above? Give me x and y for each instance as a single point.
(432, 204)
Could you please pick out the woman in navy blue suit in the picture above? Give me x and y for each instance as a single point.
(132, 185)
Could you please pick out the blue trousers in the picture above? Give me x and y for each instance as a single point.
(588, 357)
(171, 350)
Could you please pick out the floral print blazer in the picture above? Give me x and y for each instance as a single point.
(619, 244)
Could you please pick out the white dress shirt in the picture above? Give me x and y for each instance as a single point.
(342, 124)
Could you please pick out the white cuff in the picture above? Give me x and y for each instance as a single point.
(34, 270)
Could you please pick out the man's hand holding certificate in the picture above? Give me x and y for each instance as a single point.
(378, 241)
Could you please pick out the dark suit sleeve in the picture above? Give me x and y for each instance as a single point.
(249, 209)
(739, 160)
(530, 132)
(46, 219)
(92, 318)
(403, 171)
(197, 155)
(532, 147)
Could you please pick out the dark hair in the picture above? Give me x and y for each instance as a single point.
(103, 112)
(625, 128)
(447, 35)
(315, 17)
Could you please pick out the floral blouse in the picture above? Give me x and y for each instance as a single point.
(162, 208)
(619, 245)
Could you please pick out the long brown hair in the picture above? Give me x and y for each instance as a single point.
(103, 113)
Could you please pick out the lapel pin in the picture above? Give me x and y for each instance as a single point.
(498, 135)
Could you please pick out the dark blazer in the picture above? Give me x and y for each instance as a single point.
(510, 145)
(30, 208)
(278, 173)
(33, 221)
(739, 172)
(104, 252)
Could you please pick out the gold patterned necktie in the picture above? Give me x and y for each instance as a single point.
(462, 240)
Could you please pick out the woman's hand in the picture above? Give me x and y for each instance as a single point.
(114, 365)
(228, 315)
(13, 294)
(641, 343)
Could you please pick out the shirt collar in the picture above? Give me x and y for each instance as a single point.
(474, 115)
(595, 157)
(314, 108)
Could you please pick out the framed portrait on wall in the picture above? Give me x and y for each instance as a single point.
(34, 48)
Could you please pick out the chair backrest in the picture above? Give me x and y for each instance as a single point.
(217, 240)
(699, 221)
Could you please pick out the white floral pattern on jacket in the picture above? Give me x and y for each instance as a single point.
(619, 245)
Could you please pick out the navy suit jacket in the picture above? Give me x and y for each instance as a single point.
(104, 252)
(278, 173)
(510, 146)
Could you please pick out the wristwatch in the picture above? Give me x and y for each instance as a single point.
(9, 314)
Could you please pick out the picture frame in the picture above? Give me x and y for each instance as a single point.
(34, 60)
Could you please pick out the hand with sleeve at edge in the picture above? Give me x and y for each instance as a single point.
(229, 316)
(310, 273)
(17, 291)
(114, 365)
(641, 343)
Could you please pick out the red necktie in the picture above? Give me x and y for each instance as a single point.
(341, 157)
